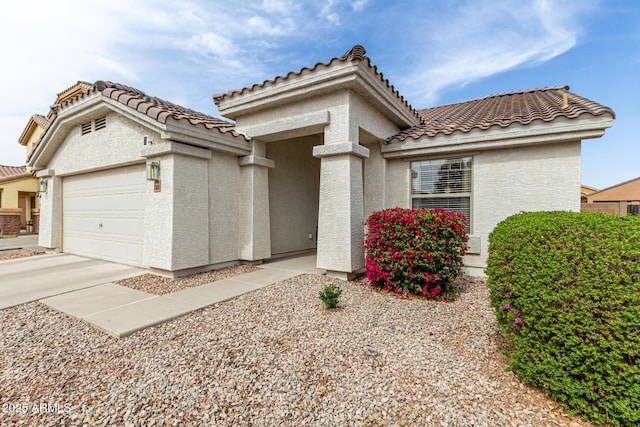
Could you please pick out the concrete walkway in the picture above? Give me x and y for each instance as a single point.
(30, 279)
(121, 311)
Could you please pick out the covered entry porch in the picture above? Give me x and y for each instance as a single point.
(338, 110)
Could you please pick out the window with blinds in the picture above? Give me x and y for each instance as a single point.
(443, 183)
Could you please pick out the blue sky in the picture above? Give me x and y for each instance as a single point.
(434, 52)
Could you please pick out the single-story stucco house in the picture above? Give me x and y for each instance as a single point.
(139, 180)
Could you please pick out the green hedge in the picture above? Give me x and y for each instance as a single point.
(566, 291)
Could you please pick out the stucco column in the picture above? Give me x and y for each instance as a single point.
(50, 236)
(341, 210)
(254, 220)
(176, 228)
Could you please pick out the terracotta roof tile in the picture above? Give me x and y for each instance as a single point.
(502, 110)
(41, 120)
(159, 109)
(356, 53)
(38, 119)
(156, 108)
(7, 171)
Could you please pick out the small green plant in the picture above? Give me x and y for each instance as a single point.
(330, 295)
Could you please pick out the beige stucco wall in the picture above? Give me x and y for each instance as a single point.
(294, 186)
(50, 235)
(192, 222)
(224, 205)
(33, 138)
(505, 182)
(374, 180)
(118, 144)
(10, 190)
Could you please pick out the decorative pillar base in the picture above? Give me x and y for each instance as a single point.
(9, 222)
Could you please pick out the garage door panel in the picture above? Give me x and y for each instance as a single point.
(103, 214)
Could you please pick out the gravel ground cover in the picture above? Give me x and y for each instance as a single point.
(8, 254)
(157, 285)
(273, 357)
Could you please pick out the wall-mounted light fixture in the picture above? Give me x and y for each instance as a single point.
(42, 187)
(153, 171)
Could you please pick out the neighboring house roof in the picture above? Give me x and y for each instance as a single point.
(502, 110)
(356, 53)
(40, 119)
(13, 171)
(620, 184)
(585, 189)
(35, 120)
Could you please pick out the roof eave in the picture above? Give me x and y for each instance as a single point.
(516, 135)
(9, 178)
(215, 139)
(337, 75)
(96, 105)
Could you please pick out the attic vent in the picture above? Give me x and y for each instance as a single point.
(85, 128)
(101, 123)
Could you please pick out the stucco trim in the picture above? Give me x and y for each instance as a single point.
(15, 177)
(328, 150)
(358, 77)
(293, 126)
(96, 105)
(561, 130)
(45, 173)
(172, 147)
(254, 160)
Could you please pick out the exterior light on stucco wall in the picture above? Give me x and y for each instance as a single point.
(42, 187)
(153, 171)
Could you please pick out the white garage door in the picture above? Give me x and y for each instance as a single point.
(103, 214)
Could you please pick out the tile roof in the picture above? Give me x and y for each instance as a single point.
(356, 53)
(502, 110)
(41, 120)
(38, 119)
(7, 171)
(156, 108)
(159, 109)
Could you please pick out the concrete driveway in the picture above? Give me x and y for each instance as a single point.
(22, 241)
(30, 279)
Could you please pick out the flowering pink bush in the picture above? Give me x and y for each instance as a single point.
(415, 250)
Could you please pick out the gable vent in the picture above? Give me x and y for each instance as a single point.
(101, 123)
(85, 128)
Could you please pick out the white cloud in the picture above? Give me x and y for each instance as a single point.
(211, 43)
(262, 26)
(483, 39)
(359, 5)
(327, 13)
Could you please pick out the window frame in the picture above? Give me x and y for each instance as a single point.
(469, 194)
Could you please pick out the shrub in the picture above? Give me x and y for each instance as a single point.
(330, 295)
(415, 250)
(566, 291)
